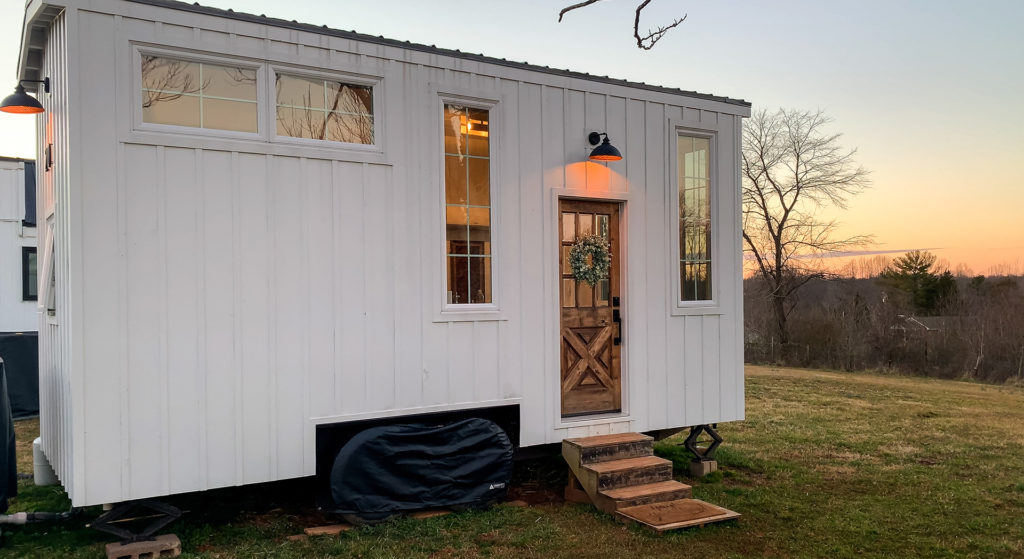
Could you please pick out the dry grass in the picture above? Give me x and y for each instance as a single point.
(25, 431)
(826, 465)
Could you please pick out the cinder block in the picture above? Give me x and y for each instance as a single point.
(701, 468)
(167, 545)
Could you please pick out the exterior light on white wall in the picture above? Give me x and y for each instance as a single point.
(604, 152)
(20, 102)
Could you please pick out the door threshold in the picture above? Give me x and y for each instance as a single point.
(592, 419)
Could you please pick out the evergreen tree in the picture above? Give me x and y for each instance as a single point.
(912, 273)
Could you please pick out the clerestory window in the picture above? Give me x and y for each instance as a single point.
(181, 92)
(320, 109)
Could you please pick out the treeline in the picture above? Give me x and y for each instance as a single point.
(909, 317)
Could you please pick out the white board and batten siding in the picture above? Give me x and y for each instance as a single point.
(16, 313)
(220, 297)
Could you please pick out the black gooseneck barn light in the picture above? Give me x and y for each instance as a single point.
(20, 102)
(604, 152)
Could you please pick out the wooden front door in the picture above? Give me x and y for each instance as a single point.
(590, 330)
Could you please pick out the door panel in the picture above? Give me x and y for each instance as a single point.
(590, 333)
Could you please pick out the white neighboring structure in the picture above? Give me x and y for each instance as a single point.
(253, 227)
(18, 311)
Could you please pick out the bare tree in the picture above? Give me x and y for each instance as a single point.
(646, 41)
(792, 168)
(866, 267)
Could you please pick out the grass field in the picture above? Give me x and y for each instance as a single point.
(826, 465)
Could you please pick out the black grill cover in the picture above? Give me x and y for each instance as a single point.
(8, 456)
(394, 468)
(20, 352)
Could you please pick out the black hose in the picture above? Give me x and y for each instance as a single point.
(19, 518)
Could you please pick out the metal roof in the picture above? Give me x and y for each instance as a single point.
(380, 40)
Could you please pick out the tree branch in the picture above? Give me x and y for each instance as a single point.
(583, 4)
(652, 37)
(645, 42)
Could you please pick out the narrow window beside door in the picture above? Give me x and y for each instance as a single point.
(694, 218)
(467, 186)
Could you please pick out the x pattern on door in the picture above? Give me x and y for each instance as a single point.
(592, 357)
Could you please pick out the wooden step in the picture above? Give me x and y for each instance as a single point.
(602, 448)
(628, 472)
(636, 495)
(671, 515)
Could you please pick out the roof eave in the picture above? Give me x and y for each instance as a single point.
(38, 17)
(381, 40)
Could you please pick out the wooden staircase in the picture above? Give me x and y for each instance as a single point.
(620, 475)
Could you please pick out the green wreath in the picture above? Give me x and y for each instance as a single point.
(590, 258)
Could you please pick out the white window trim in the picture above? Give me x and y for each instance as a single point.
(444, 311)
(138, 51)
(711, 306)
(626, 200)
(375, 82)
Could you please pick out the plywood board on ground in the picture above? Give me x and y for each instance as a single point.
(332, 530)
(682, 513)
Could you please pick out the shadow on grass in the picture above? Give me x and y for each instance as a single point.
(246, 517)
(731, 462)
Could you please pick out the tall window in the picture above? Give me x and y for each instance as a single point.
(694, 158)
(197, 94)
(467, 186)
(324, 110)
(29, 273)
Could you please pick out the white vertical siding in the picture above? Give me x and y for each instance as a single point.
(654, 278)
(219, 396)
(535, 411)
(56, 396)
(235, 294)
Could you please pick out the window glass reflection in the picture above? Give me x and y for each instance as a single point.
(320, 109)
(467, 204)
(694, 156)
(200, 95)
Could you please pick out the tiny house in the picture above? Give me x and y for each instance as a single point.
(18, 284)
(17, 246)
(252, 230)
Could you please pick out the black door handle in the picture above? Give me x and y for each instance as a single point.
(617, 319)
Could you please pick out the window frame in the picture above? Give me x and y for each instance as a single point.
(373, 82)
(455, 312)
(681, 307)
(265, 139)
(261, 99)
(47, 304)
(25, 283)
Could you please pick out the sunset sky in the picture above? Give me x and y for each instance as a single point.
(930, 92)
